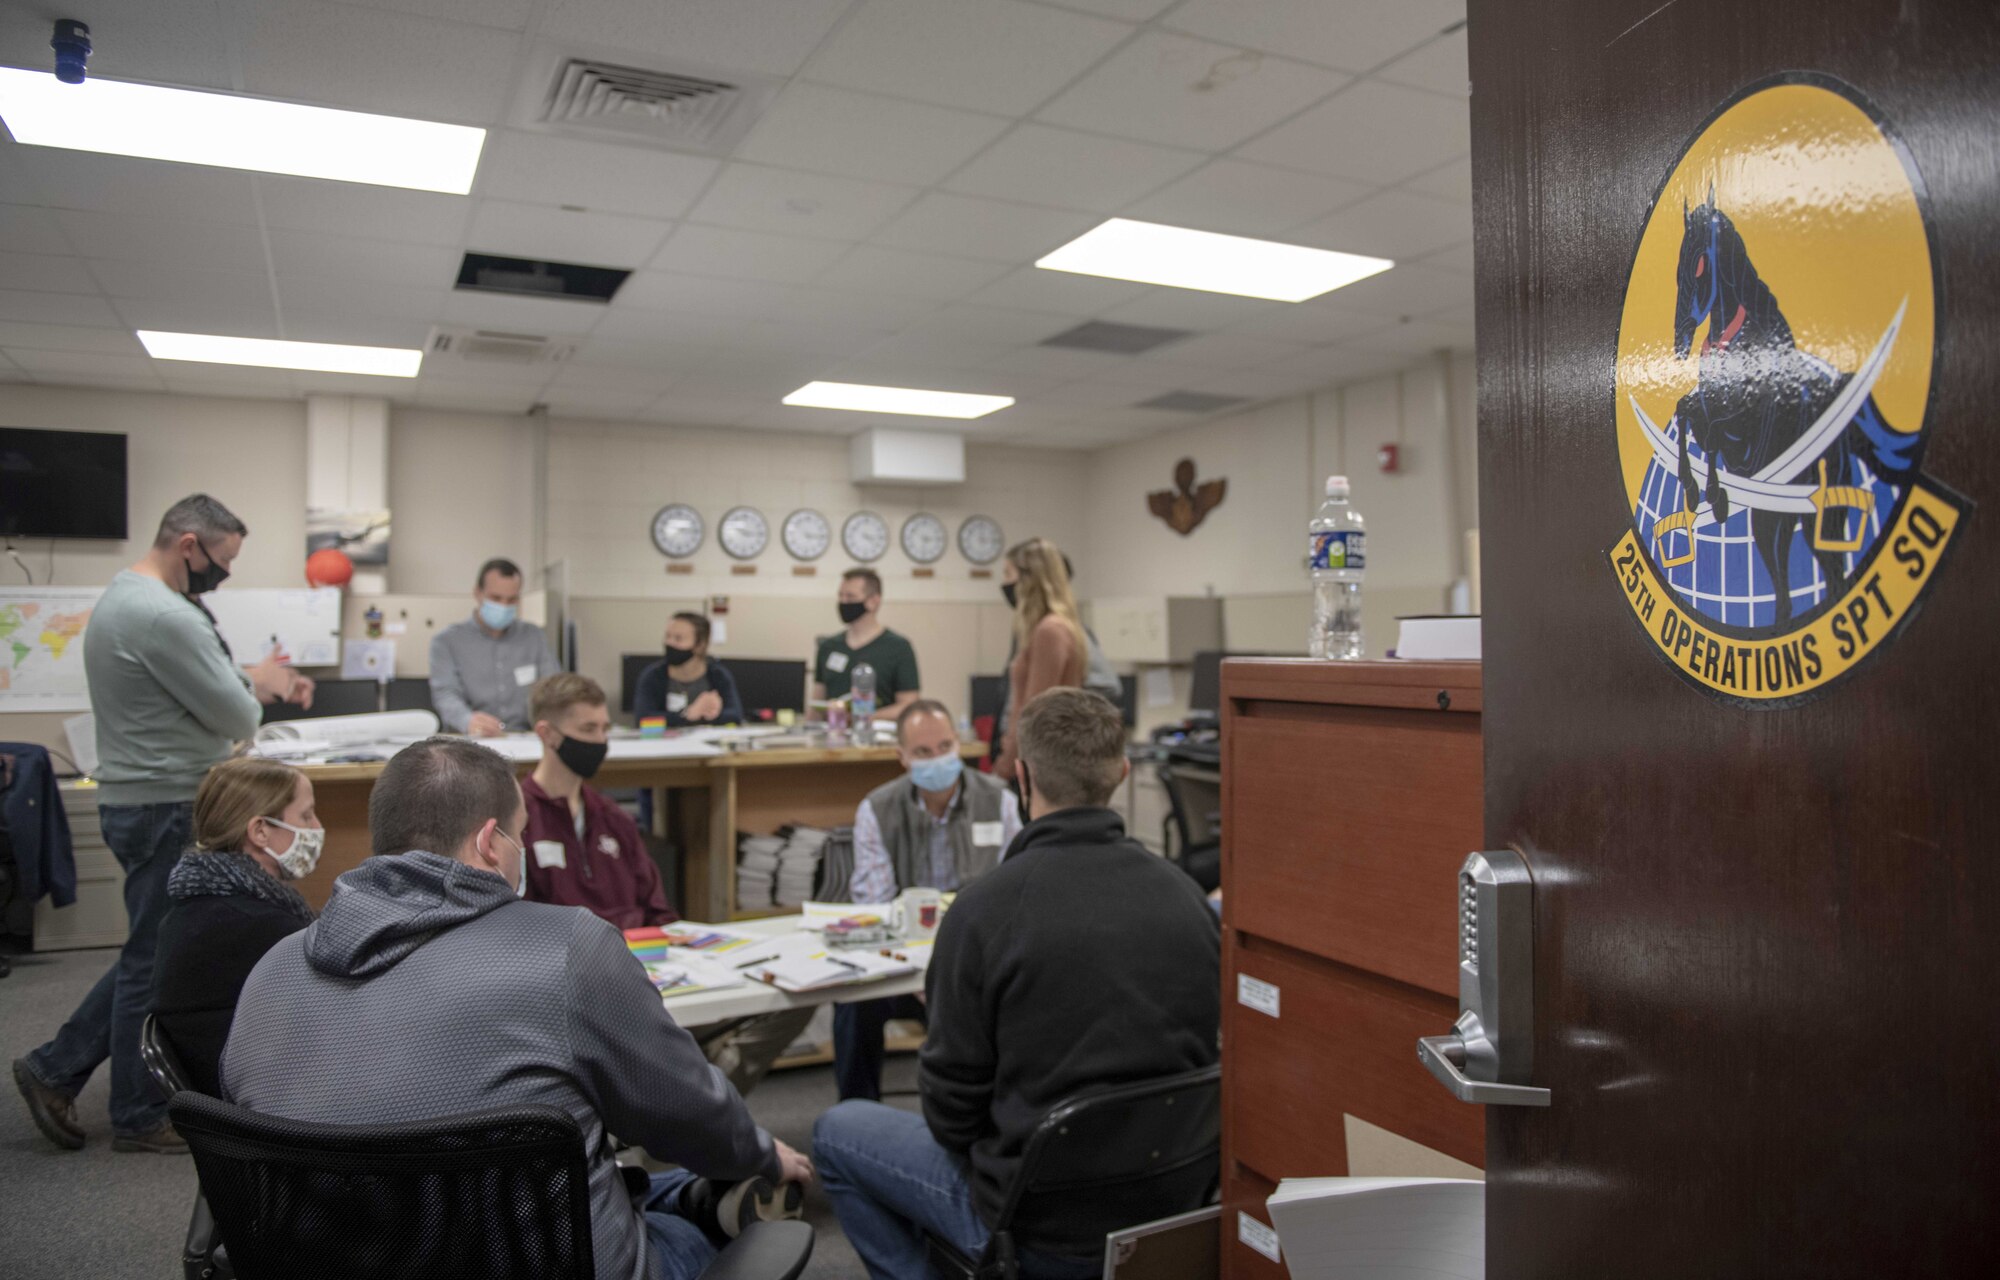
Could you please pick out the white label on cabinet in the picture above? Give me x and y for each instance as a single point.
(1258, 1236)
(1261, 996)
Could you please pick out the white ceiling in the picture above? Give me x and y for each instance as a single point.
(878, 224)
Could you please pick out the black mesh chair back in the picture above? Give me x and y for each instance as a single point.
(494, 1193)
(1103, 1160)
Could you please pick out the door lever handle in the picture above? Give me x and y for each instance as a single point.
(1444, 1057)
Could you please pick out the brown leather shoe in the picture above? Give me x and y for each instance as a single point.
(54, 1113)
(161, 1141)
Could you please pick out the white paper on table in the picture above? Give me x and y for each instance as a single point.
(824, 968)
(1159, 682)
(346, 731)
(1381, 1228)
(368, 660)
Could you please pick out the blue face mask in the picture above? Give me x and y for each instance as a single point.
(497, 617)
(940, 774)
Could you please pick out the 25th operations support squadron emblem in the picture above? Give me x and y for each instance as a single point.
(1773, 378)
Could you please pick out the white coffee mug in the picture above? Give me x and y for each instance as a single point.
(918, 912)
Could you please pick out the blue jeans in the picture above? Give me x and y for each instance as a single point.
(680, 1249)
(857, 1042)
(147, 840)
(891, 1183)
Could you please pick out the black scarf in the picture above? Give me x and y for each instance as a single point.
(204, 874)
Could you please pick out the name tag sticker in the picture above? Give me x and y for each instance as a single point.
(677, 702)
(1261, 996)
(549, 853)
(524, 675)
(608, 844)
(1258, 1236)
(985, 834)
(836, 662)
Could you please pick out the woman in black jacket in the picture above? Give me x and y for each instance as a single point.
(254, 830)
(687, 687)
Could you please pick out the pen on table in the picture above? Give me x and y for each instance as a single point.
(768, 955)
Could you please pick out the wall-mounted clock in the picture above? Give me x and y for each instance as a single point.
(743, 533)
(677, 530)
(866, 536)
(980, 539)
(925, 539)
(807, 534)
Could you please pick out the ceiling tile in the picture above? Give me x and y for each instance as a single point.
(1353, 35)
(81, 180)
(225, 379)
(1061, 292)
(915, 275)
(165, 41)
(1405, 291)
(1452, 180)
(246, 318)
(1227, 351)
(575, 376)
(747, 255)
(1456, 258)
(975, 228)
(847, 308)
(1394, 224)
(1329, 365)
(359, 297)
(309, 382)
(1189, 309)
(768, 36)
(509, 15)
(917, 352)
(1152, 90)
(184, 242)
(1438, 66)
(1240, 198)
(520, 315)
(474, 396)
(642, 328)
(1411, 338)
(541, 169)
(1041, 368)
(1068, 169)
(1129, 10)
(347, 208)
(559, 235)
(702, 296)
(1374, 132)
(1312, 321)
(997, 325)
(62, 337)
(702, 411)
(348, 258)
(26, 229)
(984, 55)
(43, 363)
(978, 382)
(760, 198)
(164, 282)
(862, 135)
(394, 64)
(368, 329)
(46, 272)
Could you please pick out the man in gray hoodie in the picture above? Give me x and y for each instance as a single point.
(428, 988)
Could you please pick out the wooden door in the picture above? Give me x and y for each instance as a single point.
(1767, 916)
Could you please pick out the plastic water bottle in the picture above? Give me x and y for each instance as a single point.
(861, 698)
(1338, 559)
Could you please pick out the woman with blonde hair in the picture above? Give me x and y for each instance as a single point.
(1050, 648)
(231, 900)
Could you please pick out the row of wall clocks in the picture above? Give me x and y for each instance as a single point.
(743, 533)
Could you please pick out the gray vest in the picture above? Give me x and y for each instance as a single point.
(906, 827)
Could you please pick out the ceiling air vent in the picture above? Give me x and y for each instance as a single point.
(1118, 339)
(490, 346)
(701, 112)
(1191, 402)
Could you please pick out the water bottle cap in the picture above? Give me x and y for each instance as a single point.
(1336, 486)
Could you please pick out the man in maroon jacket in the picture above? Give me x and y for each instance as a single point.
(585, 851)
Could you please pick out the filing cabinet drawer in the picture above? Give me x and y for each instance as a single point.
(1243, 1192)
(1345, 831)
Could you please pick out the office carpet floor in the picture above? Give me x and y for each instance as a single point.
(110, 1216)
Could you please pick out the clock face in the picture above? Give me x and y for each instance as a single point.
(677, 530)
(980, 540)
(807, 534)
(865, 535)
(924, 538)
(743, 533)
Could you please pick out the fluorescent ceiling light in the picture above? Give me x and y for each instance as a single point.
(929, 404)
(270, 353)
(1175, 256)
(233, 132)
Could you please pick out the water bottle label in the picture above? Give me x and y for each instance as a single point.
(1346, 549)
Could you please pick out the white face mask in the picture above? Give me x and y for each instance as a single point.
(520, 880)
(298, 861)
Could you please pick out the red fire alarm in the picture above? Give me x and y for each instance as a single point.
(1390, 458)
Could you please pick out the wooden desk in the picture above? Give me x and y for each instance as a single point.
(750, 792)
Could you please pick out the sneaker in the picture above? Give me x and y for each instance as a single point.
(735, 1205)
(161, 1141)
(54, 1113)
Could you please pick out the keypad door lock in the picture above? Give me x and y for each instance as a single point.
(1488, 1055)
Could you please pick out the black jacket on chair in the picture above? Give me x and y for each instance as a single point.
(207, 948)
(1082, 960)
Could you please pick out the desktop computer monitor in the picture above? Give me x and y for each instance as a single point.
(764, 684)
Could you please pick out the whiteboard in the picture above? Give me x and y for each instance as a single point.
(306, 621)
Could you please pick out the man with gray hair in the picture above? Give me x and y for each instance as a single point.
(170, 701)
(429, 968)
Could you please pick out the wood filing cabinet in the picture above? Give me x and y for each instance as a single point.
(1351, 794)
(97, 917)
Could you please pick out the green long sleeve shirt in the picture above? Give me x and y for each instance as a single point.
(169, 701)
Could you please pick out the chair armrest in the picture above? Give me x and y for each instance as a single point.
(765, 1251)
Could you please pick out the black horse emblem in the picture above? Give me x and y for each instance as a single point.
(1755, 396)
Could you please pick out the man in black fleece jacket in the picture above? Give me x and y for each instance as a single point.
(1081, 961)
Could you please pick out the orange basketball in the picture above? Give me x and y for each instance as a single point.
(328, 567)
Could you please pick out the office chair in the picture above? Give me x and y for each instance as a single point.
(202, 1255)
(503, 1192)
(1100, 1161)
(1198, 851)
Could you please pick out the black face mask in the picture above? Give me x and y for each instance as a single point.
(679, 657)
(583, 759)
(203, 581)
(1008, 589)
(851, 611)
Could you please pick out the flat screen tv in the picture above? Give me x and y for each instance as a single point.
(61, 484)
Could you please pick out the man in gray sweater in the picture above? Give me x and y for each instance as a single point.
(170, 702)
(428, 988)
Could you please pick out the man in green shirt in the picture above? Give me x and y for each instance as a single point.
(865, 640)
(170, 702)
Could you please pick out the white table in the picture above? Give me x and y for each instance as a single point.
(752, 998)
